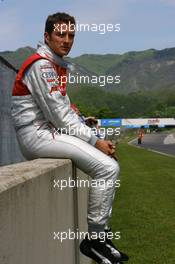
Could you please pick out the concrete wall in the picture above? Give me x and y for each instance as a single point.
(31, 210)
(9, 149)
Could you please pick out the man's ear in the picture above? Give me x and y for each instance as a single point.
(46, 37)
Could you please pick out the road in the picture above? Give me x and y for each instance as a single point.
(161, 142)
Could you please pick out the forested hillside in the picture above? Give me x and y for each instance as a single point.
(147, 86)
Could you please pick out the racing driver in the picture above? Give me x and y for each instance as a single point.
(47, 126)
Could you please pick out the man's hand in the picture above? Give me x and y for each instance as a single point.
(107, 147)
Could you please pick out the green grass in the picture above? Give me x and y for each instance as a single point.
(144, 206)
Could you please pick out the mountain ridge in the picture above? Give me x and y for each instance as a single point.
(146, 70)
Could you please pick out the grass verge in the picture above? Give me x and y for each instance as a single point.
(144, 206)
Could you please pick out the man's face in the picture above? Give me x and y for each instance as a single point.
(61, 38)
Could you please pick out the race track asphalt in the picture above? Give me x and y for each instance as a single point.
(161, 142)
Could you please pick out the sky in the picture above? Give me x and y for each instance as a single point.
(144, 24)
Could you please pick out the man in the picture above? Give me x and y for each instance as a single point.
(41, 111)
(140, 135)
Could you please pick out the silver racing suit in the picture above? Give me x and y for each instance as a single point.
(41, 115)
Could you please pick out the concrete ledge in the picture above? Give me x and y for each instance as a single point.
(19, 173)
(31, 210)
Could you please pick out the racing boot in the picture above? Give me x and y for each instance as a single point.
(117, 253)
(97, 250)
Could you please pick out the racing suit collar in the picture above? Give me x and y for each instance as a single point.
(45, 51)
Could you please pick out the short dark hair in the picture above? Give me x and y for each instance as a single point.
(55, 18)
